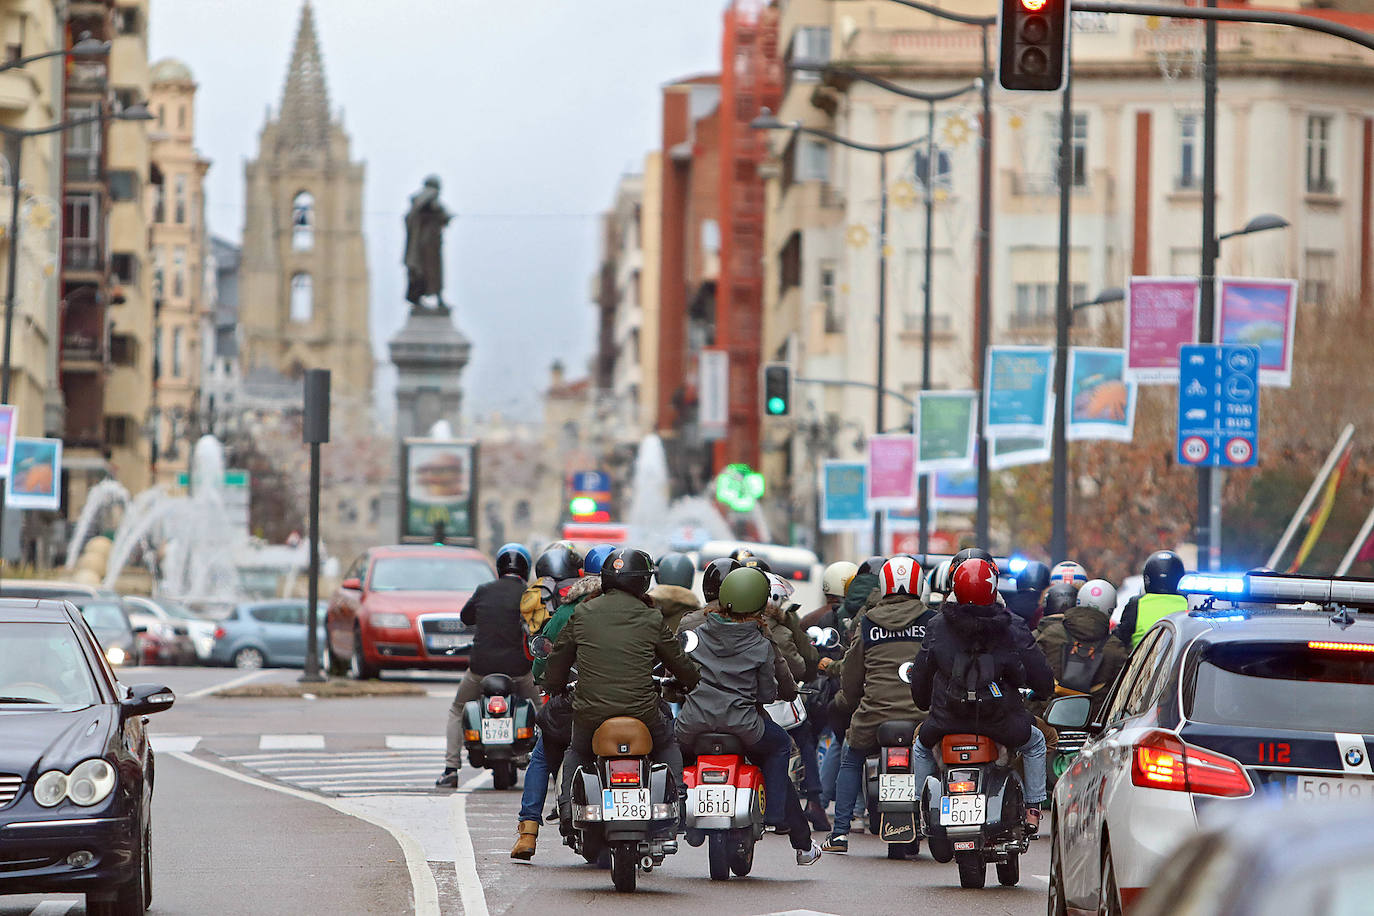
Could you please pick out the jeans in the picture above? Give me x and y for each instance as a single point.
(469, 689)
(830, 770)
(1032, 764)
(771, 754)
(807, 737)
(537, 780)
(847, 786)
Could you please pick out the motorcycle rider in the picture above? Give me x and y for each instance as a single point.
(1059, 597)
(1031, 583)
(497, 648)
(1079, 646)
(831, 615)
(1162, 572)
(711, 578)
(1070, 573)
(833, 583)
(885, 638)
(975, 656)
(803, 663)
(673, 594)
(862, 586)
(737, 678)
(555, 572)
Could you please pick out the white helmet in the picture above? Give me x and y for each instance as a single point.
(836, 578)
(1070, 573)
(901, 576)
(779, 589)
(1100, 594)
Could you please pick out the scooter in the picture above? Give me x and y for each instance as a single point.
(498, 730)
(725, 801)
(894, 805)
(975, 810)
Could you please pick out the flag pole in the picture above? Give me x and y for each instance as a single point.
(1360, 540)
(1311, 496)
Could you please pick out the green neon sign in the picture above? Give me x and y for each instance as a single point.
(740, 487)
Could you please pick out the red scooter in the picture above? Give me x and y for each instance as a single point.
(724, 804)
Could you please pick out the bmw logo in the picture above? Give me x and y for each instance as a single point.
(1354, 757)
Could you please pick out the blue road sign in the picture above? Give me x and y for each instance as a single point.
(591, 482)
(1218, 405)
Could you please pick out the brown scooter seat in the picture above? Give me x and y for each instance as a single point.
(622, 736)
(968, 749)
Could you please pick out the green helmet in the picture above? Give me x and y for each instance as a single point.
(676, 569)
(744, 592)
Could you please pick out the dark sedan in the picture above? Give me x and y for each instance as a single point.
(114, 632)
(76, 771)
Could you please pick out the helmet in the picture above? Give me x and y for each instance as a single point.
(1162, 572)
(715, 573)
(740, 553)
(1033, 577)
(744, 592)
(676, 569)
(836, 578)
(1069, 572)
(628, 570)
(559, 562)
(754, 562)
(975, 582)
(936, 585)
(901, 576)
(873, 566)
(1060, 597)
(591, 563)
(1098, 593)
(969, 553)
(940, 581)
(779, 589)
(513, 560)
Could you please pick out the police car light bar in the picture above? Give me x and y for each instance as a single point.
(1204, 584)
(1282, 589)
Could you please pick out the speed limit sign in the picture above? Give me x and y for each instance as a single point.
(1239, 451)
(1195, 450)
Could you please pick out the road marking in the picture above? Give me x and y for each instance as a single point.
(304, 757)
(53, 907)
(172, 744)
(426, 889)
(291, 743)
(236, 682)
(464, 859)
(439, 694)
(416, 742)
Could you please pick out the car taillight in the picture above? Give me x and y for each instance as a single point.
(497, 706)
(962, 787)
(219, 632)
(623, 772)
(898, 757)
(1160, 760)
(715, 776)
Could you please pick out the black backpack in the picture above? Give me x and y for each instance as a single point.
(1081, 663)
(978, 687)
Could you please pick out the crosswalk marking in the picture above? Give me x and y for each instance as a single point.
(415, 742)
(347, 773)
(291, 743)
(53, 907)
(175, 744)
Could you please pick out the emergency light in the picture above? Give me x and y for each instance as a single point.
(1282, 589)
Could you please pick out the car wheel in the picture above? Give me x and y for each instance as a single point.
(358, 668)
(250, 658)
(133, 897)
(1109, 896)
(1057, 904)
(336, 666)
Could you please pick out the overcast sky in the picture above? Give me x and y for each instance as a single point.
(529, 110)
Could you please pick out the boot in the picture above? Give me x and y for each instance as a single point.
(524, 846)
(816, 815)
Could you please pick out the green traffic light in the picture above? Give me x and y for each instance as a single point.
(776, 405)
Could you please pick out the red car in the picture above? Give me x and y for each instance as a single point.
(397, 608)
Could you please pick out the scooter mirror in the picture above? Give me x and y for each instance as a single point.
(541, 646)
(815, 634)
(904, 672)
(830, 638)
(689, 640)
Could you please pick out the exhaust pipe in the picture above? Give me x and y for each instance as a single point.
(646, 864)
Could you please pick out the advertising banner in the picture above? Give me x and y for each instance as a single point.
(1011, 453)
(1101, 401)
(438, 488)
(945, 430)
(955, 491)
(37, 472)
(1260, 313)
(844, 489)
(902, 520)
(9, 421)
(891, 471)
(1019, 390)
(1161, 316)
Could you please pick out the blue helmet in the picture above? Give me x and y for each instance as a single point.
(514, 560)
(591, 563)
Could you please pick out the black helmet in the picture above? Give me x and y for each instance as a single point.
(1059, 598)
(628, 570)
(676, 569)
(559, 562)
(1162, 572)
(1033, 577)
(969, 553)
(715, 573)
(513, 561)
(873, 566)
(753, 562)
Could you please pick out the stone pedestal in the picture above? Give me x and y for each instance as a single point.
(429, 354)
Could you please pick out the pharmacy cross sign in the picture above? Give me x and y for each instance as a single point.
(1218, 405)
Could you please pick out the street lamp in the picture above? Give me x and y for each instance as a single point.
(1260, 223)
(1106, 297)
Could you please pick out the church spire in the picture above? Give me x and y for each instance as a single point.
(304, 115)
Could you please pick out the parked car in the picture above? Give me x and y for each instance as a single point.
(114, 632)
(398, 608)
(261, 634)
(76, 769)
(45, 588)
(163, 639)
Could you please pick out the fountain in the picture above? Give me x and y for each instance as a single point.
(653, 520)
(105, 495)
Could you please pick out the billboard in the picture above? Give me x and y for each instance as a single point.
(438, 488)
(1161, 316)
(1260, 313)
(34, 482)
(892, 471)
(1019, 391)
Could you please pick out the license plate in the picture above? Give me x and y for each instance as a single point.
(498, 731)
(896, 787)
(625, 804)
(963, 810)
(449, 642)
(715, 801)
(1332, 788)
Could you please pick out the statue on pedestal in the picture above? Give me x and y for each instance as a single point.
(424, 249)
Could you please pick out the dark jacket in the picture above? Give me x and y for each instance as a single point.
(572, 595)
(615, 641)
(675, 602)
(1089, 627)
(782, 674)
(736, 676)
(801, 665)
(499, 646)
(885, 638)
(992, 635)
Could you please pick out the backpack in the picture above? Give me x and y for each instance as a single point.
(978, 688)
(535, 606)
(1081, 663)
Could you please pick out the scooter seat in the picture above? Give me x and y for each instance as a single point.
(897, 733)
(968, 749)
(622, 736)
(717, 744)
(497, 685)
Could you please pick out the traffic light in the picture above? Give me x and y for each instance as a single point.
(1034, 41)
(777, 389)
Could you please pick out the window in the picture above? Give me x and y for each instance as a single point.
(178, 344)
(162, 116)
(1319, 155)
(1282, 686)
(179, 271)
(428, 574)
(123, 185)
(80, 227)
(127, 98)
(180, 200)
(159, 272)
(181, 117)
(1318, 277)
(944, 168)
(810, 46)
(1188, 151)
(303, 221)
(157, 353)
(833, 324)
(127, 21)
(119, 430)
(813, 161)
(159, 203)
(123, 349)
(1144, 693)
(1078, 146)
(124, 266)
(83, 144)
(1036, 302)
(302, 298)
(790, 262)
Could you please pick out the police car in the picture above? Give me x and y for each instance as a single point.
(1263, 690)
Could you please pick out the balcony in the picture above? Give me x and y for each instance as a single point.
(83, 255)
(84, 167)
(87, 76)
(83, 394)
(83, 330)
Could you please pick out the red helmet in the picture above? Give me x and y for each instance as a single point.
(901, 576)
(975, 582)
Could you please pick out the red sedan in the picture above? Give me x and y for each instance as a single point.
(397, 608)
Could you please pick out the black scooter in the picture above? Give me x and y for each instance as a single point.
(894, 802)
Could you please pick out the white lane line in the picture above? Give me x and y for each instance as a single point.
(344, 769)
(235, 682)
(291, 743)
(171, 744)
(415, 742)
(53, 907)
(464, 859)
(426, 889)
(304, 757)
(341, 779)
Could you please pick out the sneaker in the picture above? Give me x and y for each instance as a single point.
(449, 779)
(809, 856)
(838, 842)
(816, 815)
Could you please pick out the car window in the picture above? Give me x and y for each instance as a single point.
(103, 615)
(1126, 683)
(356, 569)
(1145, 691)
(43, 662)
(431, 573)
(179, 611)
(267, 613)
(1283, 685)
(291, 613)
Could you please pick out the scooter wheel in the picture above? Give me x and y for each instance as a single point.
(718, 855)
(624, 868)
(973, 871)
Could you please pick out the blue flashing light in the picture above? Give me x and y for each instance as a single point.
(1204, 584)
(1015, 565)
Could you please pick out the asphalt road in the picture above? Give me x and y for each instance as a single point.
(322, 806)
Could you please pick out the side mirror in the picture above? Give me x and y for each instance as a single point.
(824, 638)
(1069, 712)
(541, 646)
(146, 699)
(353, 585)
(690, 640)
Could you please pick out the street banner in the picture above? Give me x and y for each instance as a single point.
(438, 480)
(34, 480)
(1011, 453)
(902, 520)
(1316, 522)
(1161, 316)
(954, 491)
(9, 421)
(713, 386)
(1019, 389)
(844, 489)
(1101, 401)
(945, 430)
(1260, 313)
(892, 471)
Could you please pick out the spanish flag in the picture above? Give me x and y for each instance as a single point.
(1317, 520)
